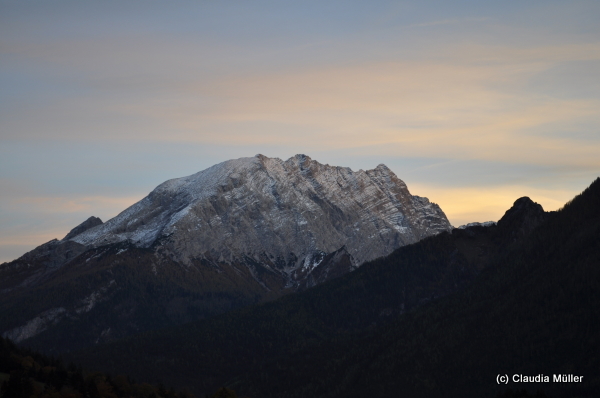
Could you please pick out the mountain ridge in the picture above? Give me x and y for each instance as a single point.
(300, 191)
(237, 233)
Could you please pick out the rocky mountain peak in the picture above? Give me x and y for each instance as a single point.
(383, 168)
(522, 211)
(84, 226)
(235, 233)
(522, 218)
(260, 204)
(276, 213)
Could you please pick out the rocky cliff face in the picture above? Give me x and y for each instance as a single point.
(285, 215)
(84, 226)
(234, 234)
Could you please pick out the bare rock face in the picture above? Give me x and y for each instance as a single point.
(84, 226)
(237, 233)
(277, 213)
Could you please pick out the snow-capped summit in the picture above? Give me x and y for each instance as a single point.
(477, 224)
(276, 212)
(235, 234)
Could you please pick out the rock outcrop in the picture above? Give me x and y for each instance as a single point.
(238, 233)
(280, 214)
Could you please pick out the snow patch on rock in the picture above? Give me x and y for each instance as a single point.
(478, 224)
(36, 325)
(250, 206)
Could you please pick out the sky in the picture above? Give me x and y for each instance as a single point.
(473, 104)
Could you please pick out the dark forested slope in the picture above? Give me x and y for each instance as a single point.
(535, 311)
(29, 374)
(297, 330)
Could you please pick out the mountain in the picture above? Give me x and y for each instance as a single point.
(438, 318)
(237, 233)
(284, 215)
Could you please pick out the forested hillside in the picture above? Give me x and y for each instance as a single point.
(535, 311)
(25, 373)
(387, 327)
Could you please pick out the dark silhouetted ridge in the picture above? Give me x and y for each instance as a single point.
(439, 318)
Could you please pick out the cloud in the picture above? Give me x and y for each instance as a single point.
(21, 213)
(56, 205)
(423, 109)
(448, 22)
(28, 240)
(469, 103)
